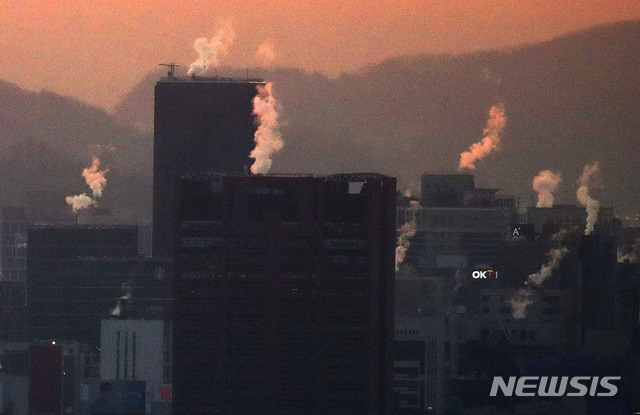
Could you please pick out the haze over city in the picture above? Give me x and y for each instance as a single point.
(272, 208)
(97, 51)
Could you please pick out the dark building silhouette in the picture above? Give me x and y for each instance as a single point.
(80, 274)
(46, 370)
(13, 239)
(547, 221)
(600, 285)
(199, 124)
(12, 310)
(284, 295)
(49, 206)
(458, 226)
(445, 190)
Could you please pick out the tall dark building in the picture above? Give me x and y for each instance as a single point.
(80, 274)
(284, 295)
(12, 310)
(599, 283)
(199, 124)
(445, 190)
(13, 239)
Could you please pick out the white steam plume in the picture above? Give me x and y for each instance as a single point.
(490, 142)
(81, 201)
(96, 181)
(630, 253)
(266, 53)
(590, 178)
(458, 279)
(95, 177)
(407, 231)
(520, 302)
(523, 298)
(267, 137)
(210, 51)
(562, 234)
(545, 184)
(555, 256)
(126, 288)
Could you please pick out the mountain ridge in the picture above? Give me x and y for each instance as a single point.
(569, 101)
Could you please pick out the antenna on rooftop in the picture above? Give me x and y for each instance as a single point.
(172, 69)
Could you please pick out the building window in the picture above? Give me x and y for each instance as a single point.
(126, 354)
(133, 356)
(118, 355)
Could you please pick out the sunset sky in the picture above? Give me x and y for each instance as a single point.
(97, 50)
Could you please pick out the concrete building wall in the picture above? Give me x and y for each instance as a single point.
(423, 376)
(134, 350)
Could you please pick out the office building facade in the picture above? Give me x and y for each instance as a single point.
(13, 238)
(199, 124)
(78, 275)
(284, 295)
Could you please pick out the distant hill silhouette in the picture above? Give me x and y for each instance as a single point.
(47, 139)
(569, 101)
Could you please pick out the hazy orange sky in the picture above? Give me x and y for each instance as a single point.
(96, 50)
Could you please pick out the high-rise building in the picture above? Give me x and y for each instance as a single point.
(424, 346)
(458, 226)
(199, 124)
(547, 221)
(445, 190)
(13, 237)
(12, 310)
(284, 295)
(78, 275)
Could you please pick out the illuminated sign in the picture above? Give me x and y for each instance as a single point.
(484, 274)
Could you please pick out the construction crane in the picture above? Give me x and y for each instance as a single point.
(172, 69)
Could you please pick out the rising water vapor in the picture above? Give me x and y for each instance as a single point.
(266, 53)
(267, 137)
(95, 177)
(590, 178)
(96, 180)
(407, 231)
(524, 297)
(630, 253)
(81, 201)
(555, 256)
(545, 184)
(520, 302)
(491, 141)
(210, 51)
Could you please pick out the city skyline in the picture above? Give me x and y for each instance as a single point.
(333, 208)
